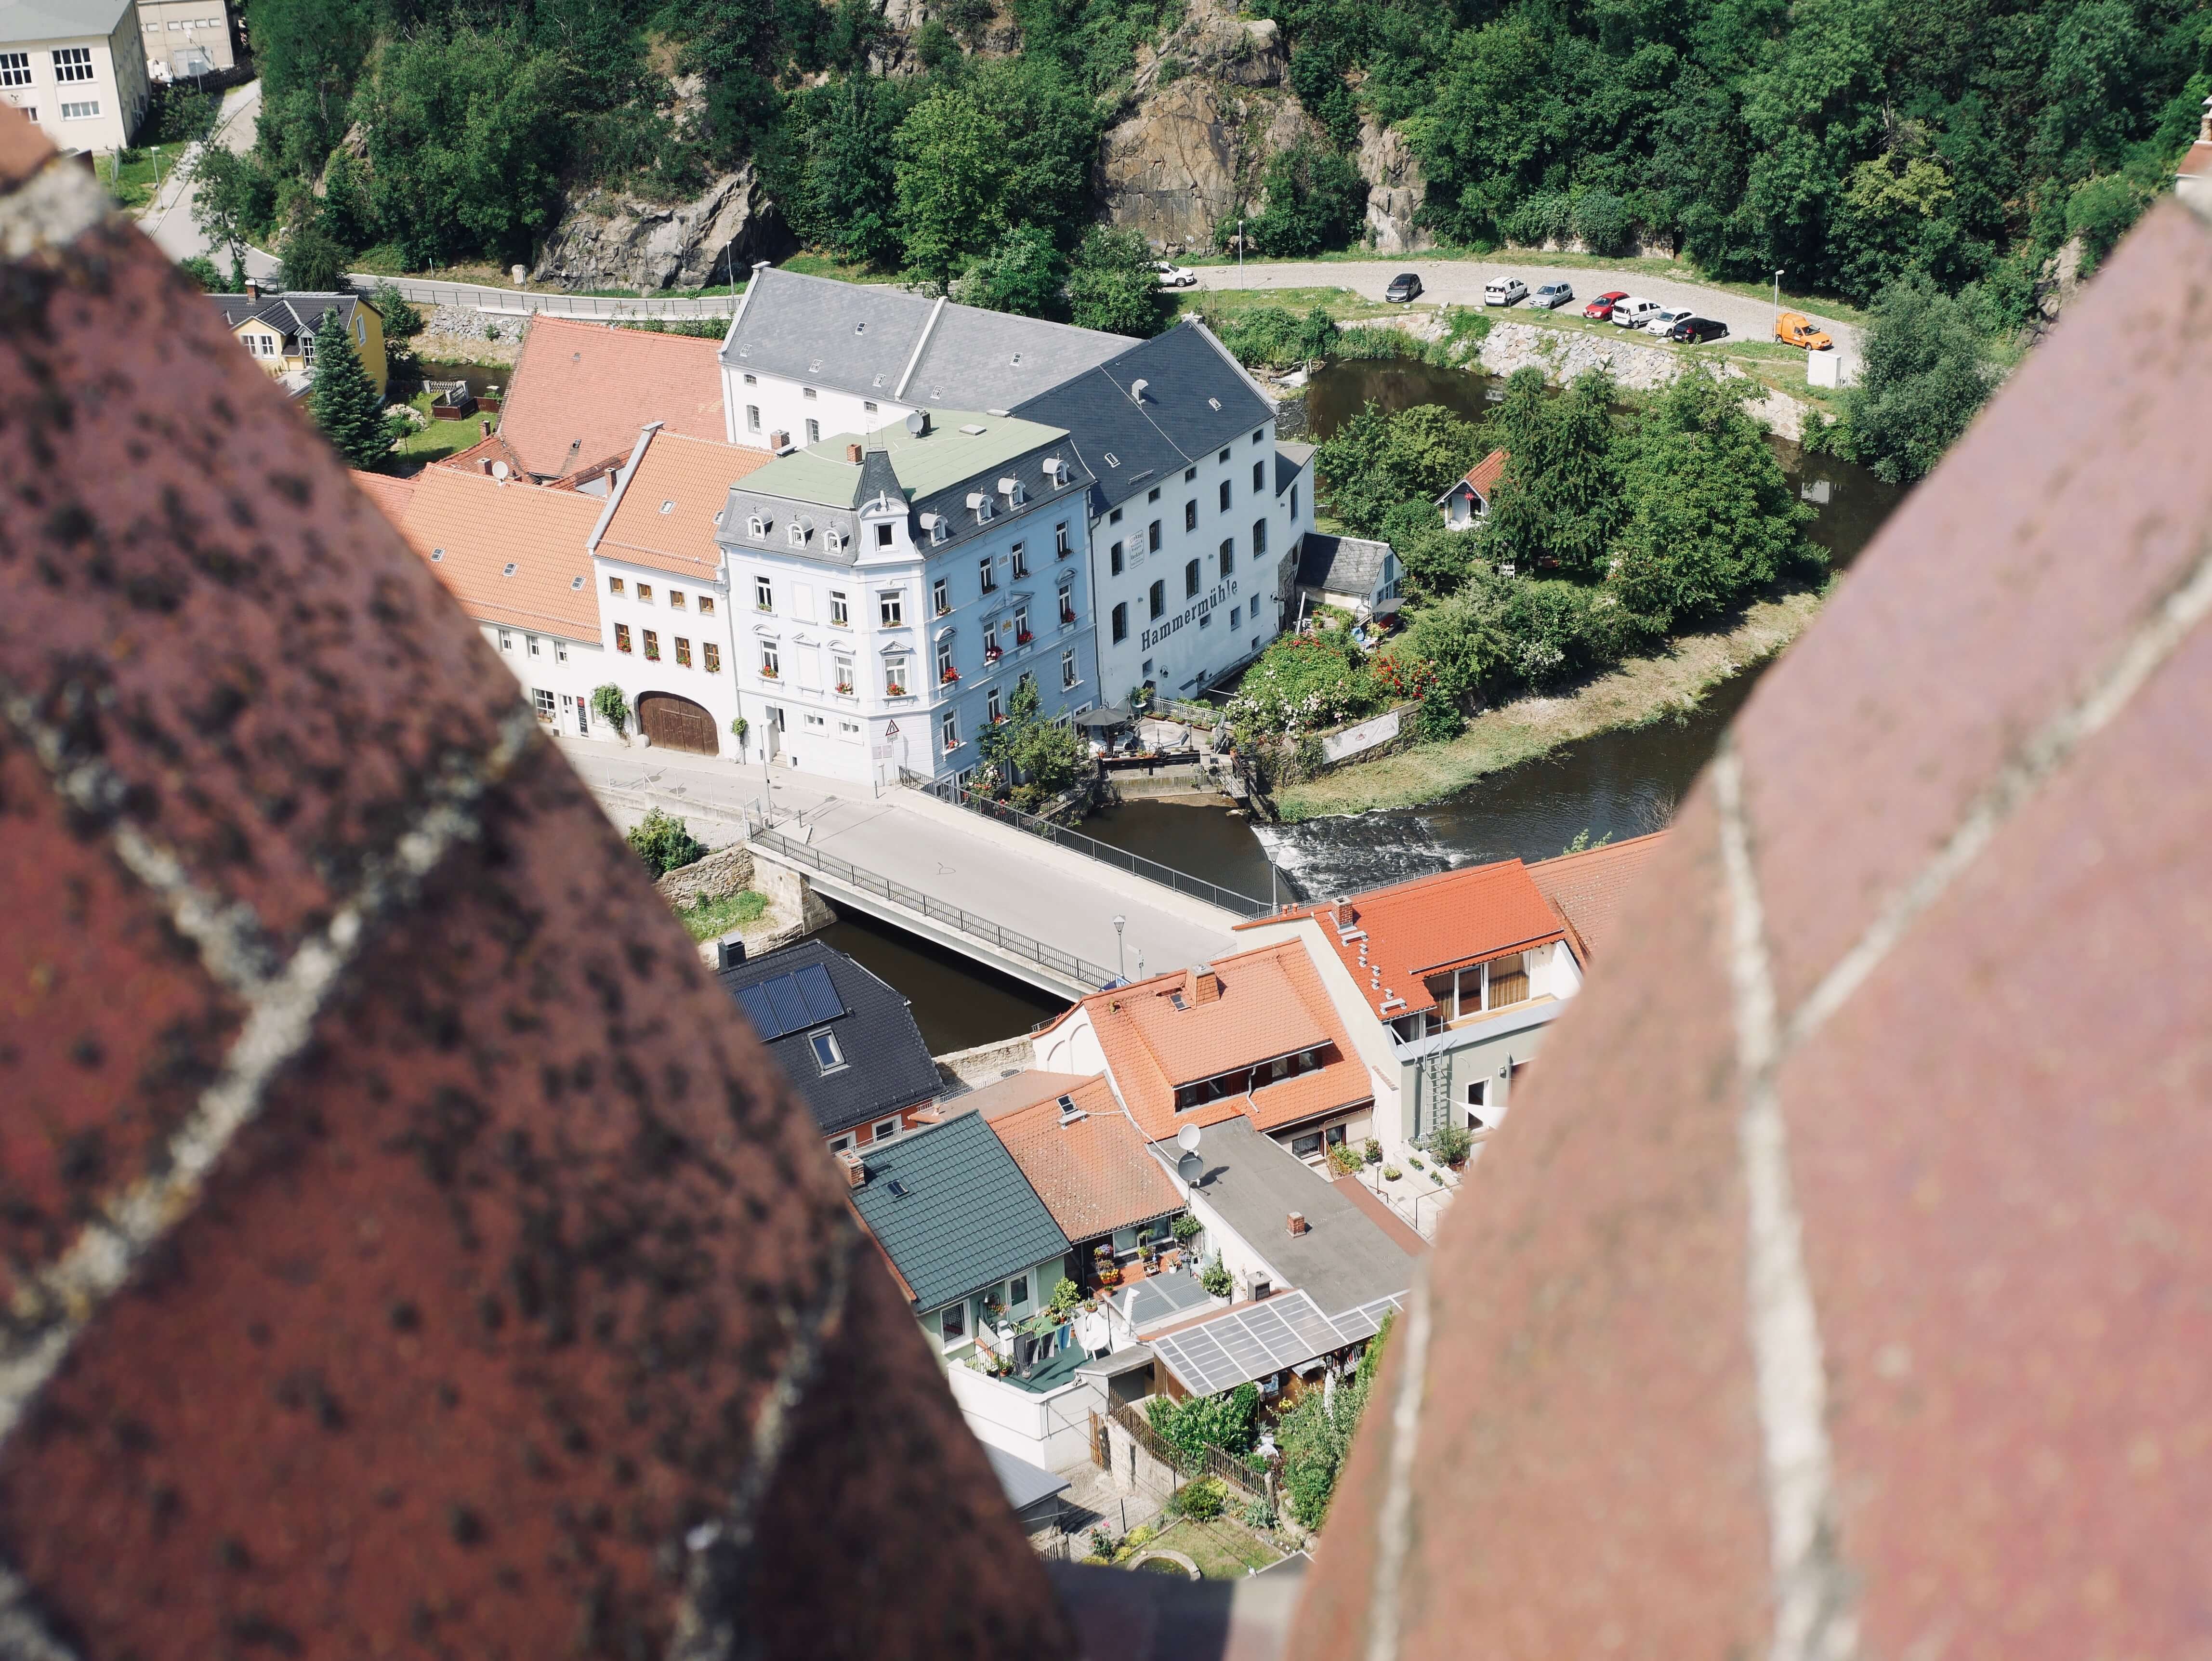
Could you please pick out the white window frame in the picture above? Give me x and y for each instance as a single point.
(822, 1039)
(764, 595)
(887, 1129)
(14, 69)
(1067, 675)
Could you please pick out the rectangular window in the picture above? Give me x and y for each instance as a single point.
(1509, 982)
(827, 1056)
(683, 652)
(645, 593)
(1190, 514)
(895, 678)
(752, 417)
(1225, 496)
(506, 640)
(622, 637)
(1113, 558)
(1233, 613)
(989, 575)
(885, 1131)
(813, 429)
(868, 406)
(1190, 579)
(1222, 458)
(1259, 435)
(614, 586)
(955, 1323)
(752, 380)
(1120, 622)
(1306, 1147)
(951, 730)
(1258, 478)
(72, 64)
(706, 605)
(945, 673)
(1228, 555)
(891, 606)
(884, 535)
(940, 597)
(559, 651)
(1159, 598)
(840, 671)
(1067, 668)
(771, 662)
(535, 649)
(675, 600)
(1259, 537)
(1062, 545)
(1017, 1292)
(652, 647)
(713, 656)
(1114, 518)
(1067, 608)
(1155, 495)
(1021, 623)
(1189, 474)
(810, 393)
(1019, 555)
(544, 701)
(764, 595)
(14, 69)
(85, 113)
(839, 615)
(994, 707)
(1152, 538)
(1294, 504)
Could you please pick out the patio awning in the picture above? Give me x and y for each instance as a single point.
(1388, 608)
(1258, 1340)
(1110, 715)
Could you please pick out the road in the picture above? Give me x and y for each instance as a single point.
(1460, 282)
(168, 217)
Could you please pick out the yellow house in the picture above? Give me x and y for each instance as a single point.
(278, 331)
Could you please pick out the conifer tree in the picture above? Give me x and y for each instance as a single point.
(344, 399)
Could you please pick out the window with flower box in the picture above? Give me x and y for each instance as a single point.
(683, 652)
(622, 637)
(895, 677)
(771, 665)
(712, 655)
(945, 673)
(841, 665)
(652, 647)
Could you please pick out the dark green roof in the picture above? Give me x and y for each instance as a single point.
(965, 1218)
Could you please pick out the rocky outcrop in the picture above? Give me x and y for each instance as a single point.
(2056, 284)
(1192, 152)
(614, 240)
(1395, 189)
(1212, 42)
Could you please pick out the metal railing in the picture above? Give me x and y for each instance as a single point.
(521, 303)
(948, 790)
(1063, 964)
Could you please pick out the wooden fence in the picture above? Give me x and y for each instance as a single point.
(1213, 1462)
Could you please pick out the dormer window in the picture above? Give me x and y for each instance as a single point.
(981, 501)
(757, 527)
(883, 534)
(1011, 490)
(797, 535)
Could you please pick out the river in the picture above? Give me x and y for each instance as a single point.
(1617, 784)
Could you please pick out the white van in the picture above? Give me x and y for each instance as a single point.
(1504, 291)
(1634, 313)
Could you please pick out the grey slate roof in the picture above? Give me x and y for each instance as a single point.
(1343, 1261)
(863, 337)
(1195, 401)
(966, 1219)
(1291, 461)
(887, 1064)
(1342, 565)
(57, 20)
(878, 478)
(290, 315)
(1023, 1483)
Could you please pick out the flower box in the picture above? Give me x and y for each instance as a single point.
(768, 674)
(1024, 638)
(845, 687)
(948, 677)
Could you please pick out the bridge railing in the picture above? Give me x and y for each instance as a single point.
(1105, 853)
(1066, 964)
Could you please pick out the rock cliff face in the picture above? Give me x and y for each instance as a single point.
(1394, 189)
(612, 240)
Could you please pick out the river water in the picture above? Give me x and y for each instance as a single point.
(1617, 784)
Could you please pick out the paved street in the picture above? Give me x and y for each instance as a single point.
(1460, 282)
(1013, 879)
(168, 217)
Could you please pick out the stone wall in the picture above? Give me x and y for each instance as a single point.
(990, 1062)
(730, 872)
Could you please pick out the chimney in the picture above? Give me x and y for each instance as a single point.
(856, 1174)
(253, 288)
(1205, 984)
(1297, 1222)
(484, 427)
(486, 464)
(853, 454)
(779, 442)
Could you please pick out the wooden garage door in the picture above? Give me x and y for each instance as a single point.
(677, 723)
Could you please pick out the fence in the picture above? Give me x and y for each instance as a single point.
(1213, 1462)
(1069, 967)
(1075, 842)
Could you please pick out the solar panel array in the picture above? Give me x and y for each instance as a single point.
(1367, 1320)
(785, 1003)
(1286, 1332)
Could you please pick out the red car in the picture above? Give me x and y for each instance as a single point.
(1601, 307)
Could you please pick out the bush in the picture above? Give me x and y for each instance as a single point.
(1301, 683)
(1440, 720)
(202, 271)
(609, 704)
(1274, 337)
(1928, 371)
(1187, 1228)
(1345, 1160)
(1605, 223)
(2099, 211)
(1216, 1279)
(1230, 1422)
(1546, 215)
(1066, 1294)
(1315, 200)
(665, 842)
(1111, 284)
(1202, 1500)
(1450, 1143)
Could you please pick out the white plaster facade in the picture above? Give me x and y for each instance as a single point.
(77, 70)
(186, 38)
(557, 676)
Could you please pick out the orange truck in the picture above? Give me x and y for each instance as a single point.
(1795, 329)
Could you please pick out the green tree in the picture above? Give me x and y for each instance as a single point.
(1037, 758)
(1375, 461)
(665, 842)
(1711, 514)
(1433, 559)
(1112, 285)
(1024, 273)
(1559, 504)
(1928, 369)
(231, 196)
(951, 180)
(344, 400)
(1313, 200)
(2099, 211)
(1606, 223)
(202, 271)
(1316, 1436)
(843, 198)
(313, 261)
(309, 53)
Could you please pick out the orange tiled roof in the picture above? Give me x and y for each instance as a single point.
(471, 528)
(492, 447)
(1584, 890)
(1271, 1003)
(1391, 938)
(1483, 477)
(391, 495)
(665, 517)
(582, 390)
(1094, 1175)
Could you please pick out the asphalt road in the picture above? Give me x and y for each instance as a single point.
(168, 217)
(1460, 282)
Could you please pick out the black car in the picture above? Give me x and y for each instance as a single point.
(1403, 287)
(1697, 330)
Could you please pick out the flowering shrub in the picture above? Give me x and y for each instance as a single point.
(1303, 683)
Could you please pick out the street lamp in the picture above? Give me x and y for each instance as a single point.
(1240, 242)
(1777, 291)
(1121, 961)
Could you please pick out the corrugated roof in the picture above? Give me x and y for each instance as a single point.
(953, 1212)
(665, 517)
(1093, 1173)
(1585, 888)
(471, 530)
(582, 390)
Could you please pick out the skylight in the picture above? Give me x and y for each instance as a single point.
(509, 571)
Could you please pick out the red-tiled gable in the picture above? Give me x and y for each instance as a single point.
(666, 516)
(1483, 477)
(391, 495)
(1266, 1004)
(1012, 1094)
(472, 529)
(478, 456)
(1094, 1174)
(582, 390)
(1584, 889)
(1391, 938)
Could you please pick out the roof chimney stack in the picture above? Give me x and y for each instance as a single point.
(853, 454)
(486, 464)
(856, 1174)
(1298, 1222)
(1205, 984)
(484, 427)
(253, 288)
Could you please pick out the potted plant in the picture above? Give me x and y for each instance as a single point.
(1109, 1274)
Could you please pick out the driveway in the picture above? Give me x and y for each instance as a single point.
(168, 217)
(1460, 282)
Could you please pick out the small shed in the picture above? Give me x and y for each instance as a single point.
(1464, 505)
(1032, 1491)
(1354, 574)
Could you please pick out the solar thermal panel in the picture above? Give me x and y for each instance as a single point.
(816, 991)
(754, 1002)
(790, 1007)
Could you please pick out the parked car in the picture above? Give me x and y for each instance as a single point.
(1552, 295)
(1505, 291)
(1696, 331)
(1631, 312)
(1406, 286)
(1663, 319)
(1795, 329)
(1601, 307)
(1173, 276)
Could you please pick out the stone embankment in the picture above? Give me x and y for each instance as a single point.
(794, 909)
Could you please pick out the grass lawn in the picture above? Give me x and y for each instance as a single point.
(711, 917)
(1633, 694)
(1223, 1550)
(133, 185)
(437, 441)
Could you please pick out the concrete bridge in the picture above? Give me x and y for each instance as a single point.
(1024, 906)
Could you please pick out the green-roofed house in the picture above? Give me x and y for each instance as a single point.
(890, 590)
(965, 1232)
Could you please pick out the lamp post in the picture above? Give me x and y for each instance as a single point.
(1240, 242)
(1120, 960)
(1777, 291)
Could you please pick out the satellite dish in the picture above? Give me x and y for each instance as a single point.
(1190, 1168)
(1186, 1139)
(499, 470)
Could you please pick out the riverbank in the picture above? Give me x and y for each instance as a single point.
(1636, 693)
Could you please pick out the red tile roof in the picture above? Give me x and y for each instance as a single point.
(391, 495)
(1270, 1004)
(1391, 938)
(1094, 1174)
(665, 516)
(1585, 888)
(491, 448)
(470, 529)
(1483, 477)
(580, 391)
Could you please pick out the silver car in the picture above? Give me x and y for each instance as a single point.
(1552, 295)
